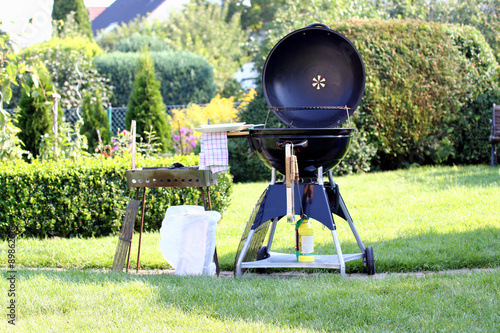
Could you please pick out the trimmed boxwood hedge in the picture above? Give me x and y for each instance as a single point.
(429, 90)
(185, 77)
(88, 198)
(428, 94)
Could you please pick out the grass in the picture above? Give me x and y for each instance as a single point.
(420, 219)
(73, 301)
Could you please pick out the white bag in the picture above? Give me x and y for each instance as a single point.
(187, 239)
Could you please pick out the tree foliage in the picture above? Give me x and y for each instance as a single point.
(62, 8)
(70, 63)
(10, 71)
(69, 60)
(201, 28)
(146, 105)
(259, 12)
(138, 42)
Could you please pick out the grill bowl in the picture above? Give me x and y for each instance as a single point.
(323, 147)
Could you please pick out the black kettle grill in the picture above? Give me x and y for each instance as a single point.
(313, 81)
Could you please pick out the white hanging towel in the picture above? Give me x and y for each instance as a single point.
(213, 155)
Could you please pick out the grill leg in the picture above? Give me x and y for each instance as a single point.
(243, 252)
(130, 247)
(351, 224)
(339, 253)
(271, 234)
(140, 232)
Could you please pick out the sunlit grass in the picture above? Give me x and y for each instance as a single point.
(74, 301)
(419, 219)
(429, 218)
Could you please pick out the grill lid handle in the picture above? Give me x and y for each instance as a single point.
(317, 24)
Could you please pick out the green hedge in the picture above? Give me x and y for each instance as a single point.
(88, 198)
(185, 77)
(137, 43)
(429, 91)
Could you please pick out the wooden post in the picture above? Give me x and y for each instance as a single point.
(132, 142)
(55, 97)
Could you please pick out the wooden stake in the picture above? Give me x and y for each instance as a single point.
(55, 97)
(132, 142)
(125, 239)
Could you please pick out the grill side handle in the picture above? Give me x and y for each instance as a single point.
(296, 144)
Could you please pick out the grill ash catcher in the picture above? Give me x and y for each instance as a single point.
(313, 81)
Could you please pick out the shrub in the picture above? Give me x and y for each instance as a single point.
(35, 114)
(220, 110)
(359, 158)
(95, 118)
(146, 106)
(82, 45)
(245, 164)
(88, 198)
(424, 82)
(184, 140)
(11, 147)
(204, 28)
(429, 88)
(185, 77)
(257, 112)
(68, 144)
(62, 57)
(471, 127)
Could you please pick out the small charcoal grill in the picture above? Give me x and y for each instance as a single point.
(313, 81)
(154, 177)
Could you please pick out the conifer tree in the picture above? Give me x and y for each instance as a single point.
(35, 115)
(95, 119)
(62, 8)
(146, 105)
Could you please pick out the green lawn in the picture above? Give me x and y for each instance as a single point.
(416, 220)
(74, 301)
(419, 219)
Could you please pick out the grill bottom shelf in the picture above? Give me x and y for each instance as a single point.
(284, 260)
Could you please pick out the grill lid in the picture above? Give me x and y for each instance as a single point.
(313, 78)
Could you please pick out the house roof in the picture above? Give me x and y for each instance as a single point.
(124, 11)
(95, 11)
